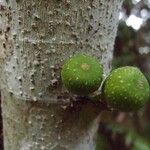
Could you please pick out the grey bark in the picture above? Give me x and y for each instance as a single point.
(36, 37)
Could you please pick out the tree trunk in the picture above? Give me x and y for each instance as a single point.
(37, 36)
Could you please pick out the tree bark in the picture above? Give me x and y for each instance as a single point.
(37, 36)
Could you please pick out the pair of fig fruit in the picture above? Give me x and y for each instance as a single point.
(125, 88)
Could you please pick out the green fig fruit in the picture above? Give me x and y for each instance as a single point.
(82, 74)
(126, 89)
